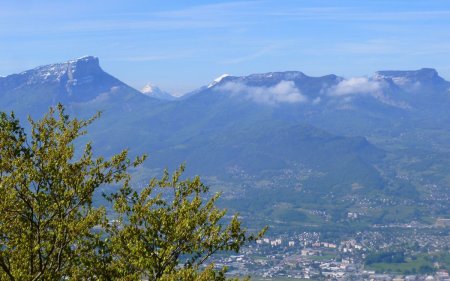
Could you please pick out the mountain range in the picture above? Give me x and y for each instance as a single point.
(265, 140)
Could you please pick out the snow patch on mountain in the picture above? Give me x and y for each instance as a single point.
(149, 89)
(421, 74)
(155, 92)
(81, 67)
(218, 80)
(422, 80)
(285, 75)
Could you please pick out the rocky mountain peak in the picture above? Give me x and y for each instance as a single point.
(154, 91)
(410, 75)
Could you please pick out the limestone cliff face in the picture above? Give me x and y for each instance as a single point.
(74, 81)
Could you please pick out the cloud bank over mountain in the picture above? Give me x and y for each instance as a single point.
(348, 89)
(283, 92)
(357, 85)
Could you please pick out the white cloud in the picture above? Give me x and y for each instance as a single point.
(357, 85)
(347, 89)
(283, 92)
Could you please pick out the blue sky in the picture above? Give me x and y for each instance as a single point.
(181, 45)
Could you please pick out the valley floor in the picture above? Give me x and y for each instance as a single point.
(424, 252)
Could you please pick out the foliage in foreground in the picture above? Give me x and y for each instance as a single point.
(50, 230)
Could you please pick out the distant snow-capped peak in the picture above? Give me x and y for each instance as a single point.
(154, 91)
(217, 80)
(150, 88)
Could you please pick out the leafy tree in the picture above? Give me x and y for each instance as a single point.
(46, 208)
(50, 230)
(161, 238)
